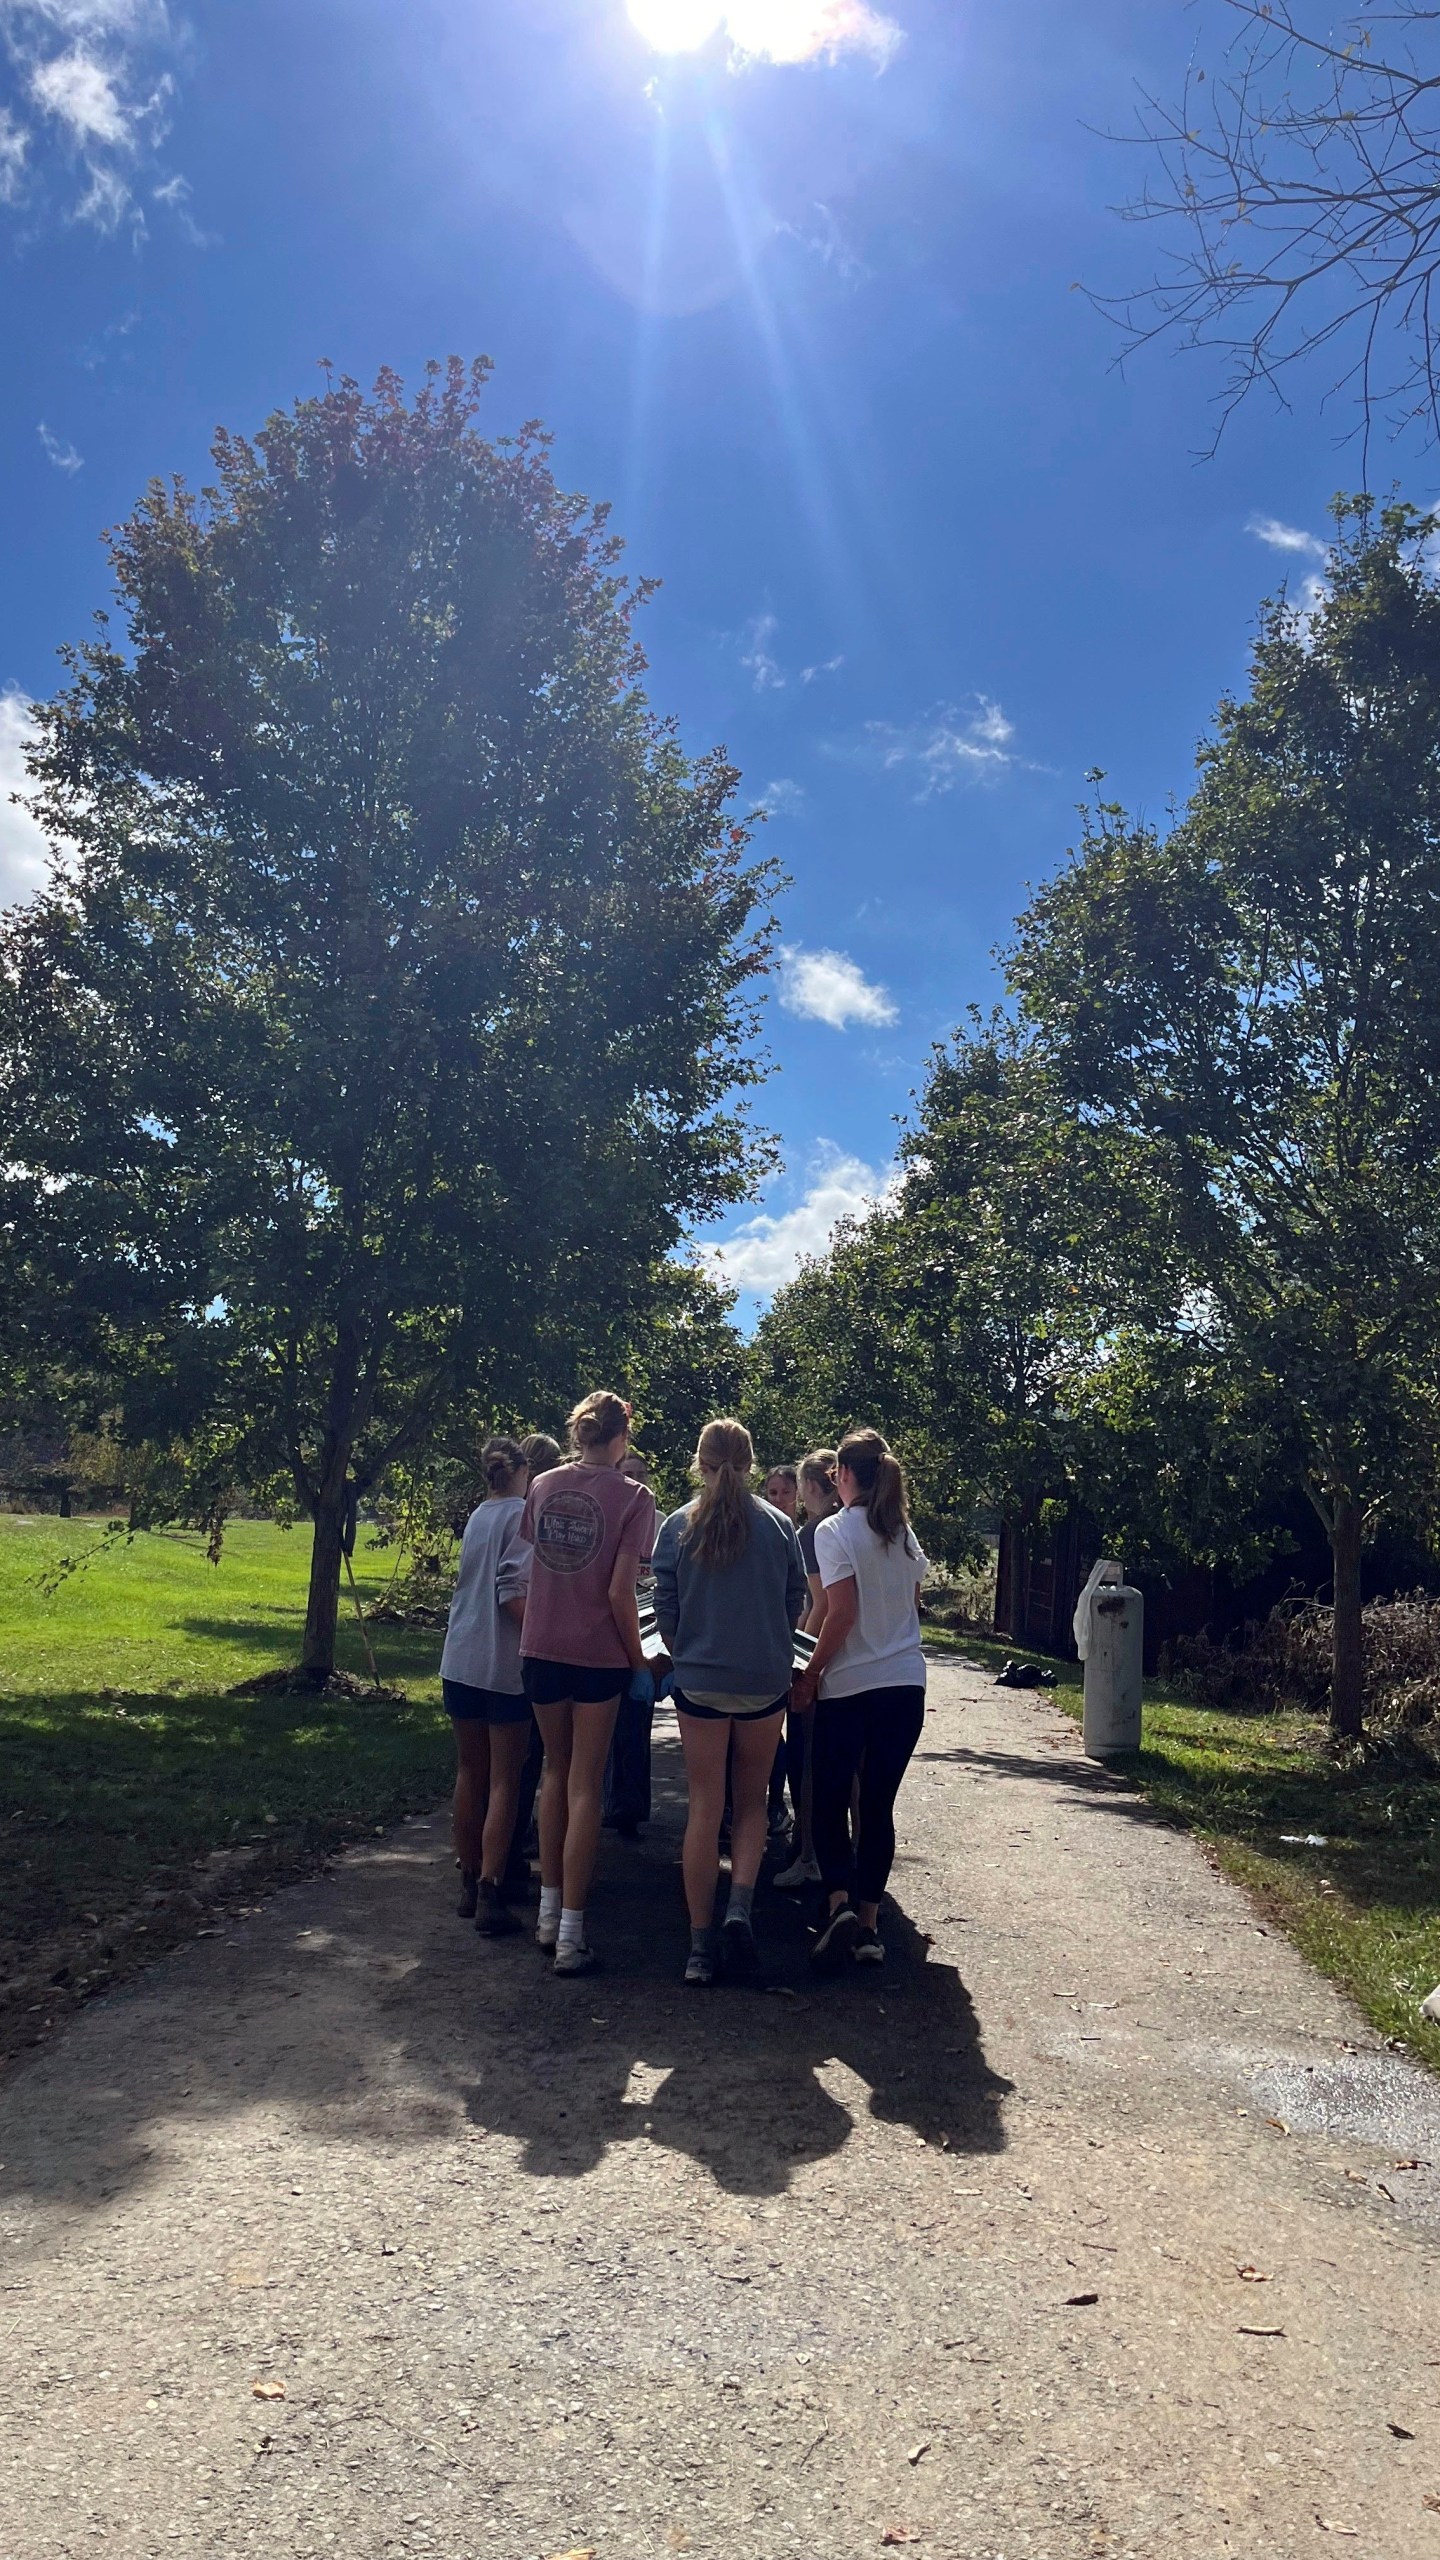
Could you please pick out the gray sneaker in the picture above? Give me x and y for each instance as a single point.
(869, 1947)
(803, 1871)
(576, 1959)
(739, 1955)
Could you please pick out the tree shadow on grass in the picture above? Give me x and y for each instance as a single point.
(1379, 1828)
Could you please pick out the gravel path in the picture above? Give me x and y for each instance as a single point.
(949, 2257)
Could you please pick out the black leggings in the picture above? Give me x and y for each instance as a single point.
(874, 1732)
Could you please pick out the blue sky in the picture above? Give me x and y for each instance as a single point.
(801, 303)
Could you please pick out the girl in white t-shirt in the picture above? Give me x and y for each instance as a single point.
(868, 1674)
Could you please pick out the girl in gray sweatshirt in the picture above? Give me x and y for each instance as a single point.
(729, 1591)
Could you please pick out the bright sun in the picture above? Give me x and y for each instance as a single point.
(676, 26)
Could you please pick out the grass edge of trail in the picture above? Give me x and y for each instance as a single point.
(133, 1816)
(1365, 1911)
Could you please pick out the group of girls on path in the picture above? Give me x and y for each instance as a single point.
(545, 1622)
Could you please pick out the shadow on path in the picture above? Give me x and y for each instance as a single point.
(361, 2007)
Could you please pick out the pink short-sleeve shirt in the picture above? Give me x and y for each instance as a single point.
(578, 1520)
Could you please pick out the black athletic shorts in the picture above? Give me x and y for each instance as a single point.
(483, 1706)
(547, 1683)
(715, 1715)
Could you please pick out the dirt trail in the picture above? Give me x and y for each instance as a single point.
(951, 2254)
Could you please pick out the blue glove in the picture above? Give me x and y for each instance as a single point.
(641, 1691)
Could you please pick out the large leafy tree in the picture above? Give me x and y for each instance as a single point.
(966, 1315)
(1256, 998)
(377, 1036)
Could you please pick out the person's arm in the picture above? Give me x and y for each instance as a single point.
(797, 1589)
(842, 1608)
(625, 1608)
(667, 1585)
(810, 1623)
(512, 1574)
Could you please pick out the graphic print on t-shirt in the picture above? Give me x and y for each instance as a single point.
(569, 1531)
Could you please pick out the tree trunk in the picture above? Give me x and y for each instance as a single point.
(322, 1609)
(1007, 1580)
(1346, 1664)
(64, 1502)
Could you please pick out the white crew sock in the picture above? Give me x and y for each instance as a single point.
(550, 1902)
(572, 1928)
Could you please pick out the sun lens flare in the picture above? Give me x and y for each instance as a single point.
(675, 26)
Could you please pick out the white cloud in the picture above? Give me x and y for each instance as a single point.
(827, 667)
(92, 74)
(82, 94)
(1287, 537)
(783, 799)
(947, 748)
(767, 1251)
(826, 986)
(810, 30)
(769, 30)
(22, 846)
(14, 143)
(758, 656)
(64, 456)
(1294, 543)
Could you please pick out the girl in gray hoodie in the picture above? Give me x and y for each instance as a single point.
(729, 1592)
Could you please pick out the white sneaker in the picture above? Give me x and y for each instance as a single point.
(576, 1957)
(1431, 2008)
(547, 1931)
(803, 1871)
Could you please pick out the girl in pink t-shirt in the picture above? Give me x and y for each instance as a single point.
(591, 1529)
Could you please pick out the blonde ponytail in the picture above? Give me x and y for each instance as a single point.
(717, 1530)
(871, 1461)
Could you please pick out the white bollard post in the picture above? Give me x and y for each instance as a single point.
(1114, 1670)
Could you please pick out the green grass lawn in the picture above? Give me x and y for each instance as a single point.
(123, 1760)
(1366, 1907)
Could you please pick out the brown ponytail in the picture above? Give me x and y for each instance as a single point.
(878, 1472)
(717, 1530)
(597, 1420)
(502, 1458)
(817, 1469)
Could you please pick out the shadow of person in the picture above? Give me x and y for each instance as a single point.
(752, 2084)
(363, 2009)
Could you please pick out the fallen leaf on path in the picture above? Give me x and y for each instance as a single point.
(675, 2540)
(1252, 2275)
(1353, 2530)
(267, 2390)
(1076, 2301)
(916, 2452)
(1278, 2123)
(1244, 2332)
(900, 2533)
(578, 2551)
(1432, 2503)
(1410, 2164)
(1405, 2434)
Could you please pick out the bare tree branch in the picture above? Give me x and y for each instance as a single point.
(1303, 178)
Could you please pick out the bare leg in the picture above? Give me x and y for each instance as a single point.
(807, 1800)
(705, 1746)
(508, 1746)
(756, 1740)
(557, 1725)
(472, 1778)
(592, 1729)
